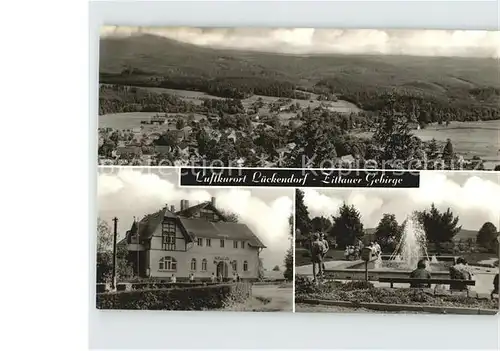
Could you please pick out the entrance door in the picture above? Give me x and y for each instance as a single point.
(222, 269)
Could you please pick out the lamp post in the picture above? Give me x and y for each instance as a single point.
(115, 232)
(366, 255)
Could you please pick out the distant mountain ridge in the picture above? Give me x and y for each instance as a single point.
(166, 56)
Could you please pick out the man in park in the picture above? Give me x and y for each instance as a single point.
(495, 286)
(420, 273)
(317, 250)
(327, 247)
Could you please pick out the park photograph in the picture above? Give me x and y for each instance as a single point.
(432, 249)
(162, 247)
(299, 98)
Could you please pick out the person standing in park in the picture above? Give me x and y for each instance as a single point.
(420, 273)
(213, 278)
(495, 286)
(317, 249)
(327, 247)
(378, 249)
(173, 279)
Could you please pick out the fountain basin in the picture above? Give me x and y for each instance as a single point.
(374, 274)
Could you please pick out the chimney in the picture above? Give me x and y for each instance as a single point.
(172, 208)
(184, 204)
(213, 201)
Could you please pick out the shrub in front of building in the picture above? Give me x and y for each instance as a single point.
(186, 298)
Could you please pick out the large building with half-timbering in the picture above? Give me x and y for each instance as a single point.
(196, 239)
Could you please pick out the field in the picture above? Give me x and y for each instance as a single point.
(129, 120)
(469, 139)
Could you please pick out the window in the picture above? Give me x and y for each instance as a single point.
(245, 266)
(234, 265)
(209, 242)
(193, 264)
(204, 265)
(235, 244)
(200, 242)
(221, 242)
(167, 264)
(242, 244)
(168, 235)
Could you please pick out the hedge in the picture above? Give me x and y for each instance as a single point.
(189, 298)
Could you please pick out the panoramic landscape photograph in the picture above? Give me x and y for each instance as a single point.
(299, 97)
(160, 247)
(434, 249)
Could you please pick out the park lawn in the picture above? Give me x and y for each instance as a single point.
(303, 307)
(474, 257)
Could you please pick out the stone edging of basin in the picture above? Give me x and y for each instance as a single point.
(398, 308)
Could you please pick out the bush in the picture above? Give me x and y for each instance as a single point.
(357, 285)
(304, 285)
(100, 287)
(192, 298)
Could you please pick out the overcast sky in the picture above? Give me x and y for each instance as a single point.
(465, 43)
(127, 193)
(474, 198)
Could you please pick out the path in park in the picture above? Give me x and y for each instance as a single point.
(301, 307)
(482, 275)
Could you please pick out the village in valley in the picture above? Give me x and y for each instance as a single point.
(205, 106)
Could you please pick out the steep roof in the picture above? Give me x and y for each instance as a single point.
(193, 227)
(149, 223)
(190, 211)
(221, 230)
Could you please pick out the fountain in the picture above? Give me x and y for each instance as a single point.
(411, 247)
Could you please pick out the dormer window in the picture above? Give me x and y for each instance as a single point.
(207, 214)
(168, 234)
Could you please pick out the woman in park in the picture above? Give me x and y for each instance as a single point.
(460, 271)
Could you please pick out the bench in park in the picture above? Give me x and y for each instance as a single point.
(428, 282)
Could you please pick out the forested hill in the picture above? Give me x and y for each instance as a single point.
(457, 86)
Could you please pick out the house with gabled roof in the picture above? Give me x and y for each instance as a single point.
(197, 240)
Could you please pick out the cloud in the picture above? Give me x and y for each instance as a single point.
(474, 200)
(130, 193)
(463, 43)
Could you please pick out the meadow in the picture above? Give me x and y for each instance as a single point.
(479, 138)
